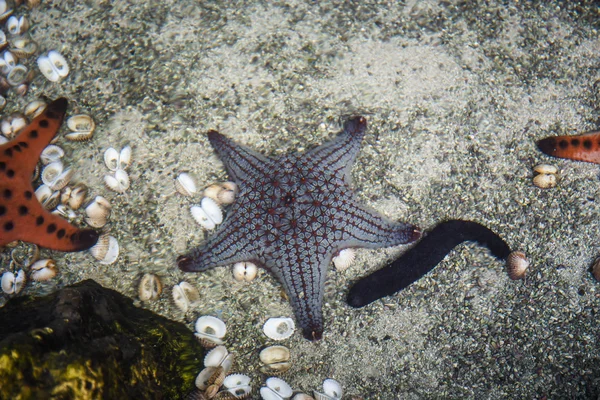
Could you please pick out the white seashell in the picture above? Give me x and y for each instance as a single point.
(150, 287)
(65, 212)
(185, 295)
(280, 387)
(204, 376)
(17, 75)
(51, 172)
(13, 124)
(222, 193)
(279, 328)
(111, 159)
(185, 185)
(5, 10)
(238, 385)
(62, 180)
(17, 25)
(545, 181)
(100, 249)
(202, 218)
(212, 210)
(23, 46)
(48, 198)
(124, 157)
(244, 271)
(43, 270)
(333, 389)
(344, 259)
(516, 265)
(226, 197)
(51, 153)
(98, 212)
(118, 183)
(76, 196)
(2, 104)
(219, 357)
(269, 394)
(211, 329)
(7, 62)
(34, 108)
(3, 139)
(545, 169)
(3, 40)
(53, 66)
(112, 253)
(82, 127)
(11, 283)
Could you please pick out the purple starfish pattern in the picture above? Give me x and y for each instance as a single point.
(292, 215)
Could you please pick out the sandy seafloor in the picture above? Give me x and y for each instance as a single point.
(455, 94)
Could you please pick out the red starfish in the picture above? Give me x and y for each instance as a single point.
(22, 217)
(584, 147)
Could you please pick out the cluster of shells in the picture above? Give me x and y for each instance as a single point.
(25, 261)
(213, 382)
(17, 47)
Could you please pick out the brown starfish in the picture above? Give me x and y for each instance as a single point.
(22, 217)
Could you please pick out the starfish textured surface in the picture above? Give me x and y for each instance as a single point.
(293, 213)
(22, 217)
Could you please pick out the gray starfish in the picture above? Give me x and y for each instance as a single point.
(292, 215)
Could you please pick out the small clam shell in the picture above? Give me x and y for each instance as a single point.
(274, 354)
(65, 212)
(124, 157)
(43, 270)
(279, 387)
(244, 271)
(545, 169)
(82, 127)
(62, 180)
(219, 357)
(212, 210)
(211, 375)
(222, 193)
(3, 40)
(202, 218)
(34, 108)
(77, 195)
(23, 47)
(111, 158)
(13, 283)
(13, 124)
(17, 75)
(332, 388)
(106, 249)
(344, 259)
(53, 66)
(238, 385)
(185, 185)
(118, 183)
(17, 25)
(211, 329)
(150, 287)
(5, 10)
(51, 172)
(185, 295)
(7, 62)
(98, 212)
(516, 265)
(545, 181)
(51, 154)
(279, 328)
(47, 197)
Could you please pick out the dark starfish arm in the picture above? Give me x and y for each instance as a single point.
(305, 283)
(26, 148)
(339, 154)
(241, 162)
(584, 147)
(367, 229)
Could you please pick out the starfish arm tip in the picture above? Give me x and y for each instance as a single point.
(547, 145)
(84, 239)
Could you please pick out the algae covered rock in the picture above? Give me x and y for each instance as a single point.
(89, 342)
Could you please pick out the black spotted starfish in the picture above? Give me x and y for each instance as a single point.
(292, 215)
(22, 217)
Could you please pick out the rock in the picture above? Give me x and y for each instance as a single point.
(89, 342)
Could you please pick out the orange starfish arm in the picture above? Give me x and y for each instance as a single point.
(584, 147)
(22, 217)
